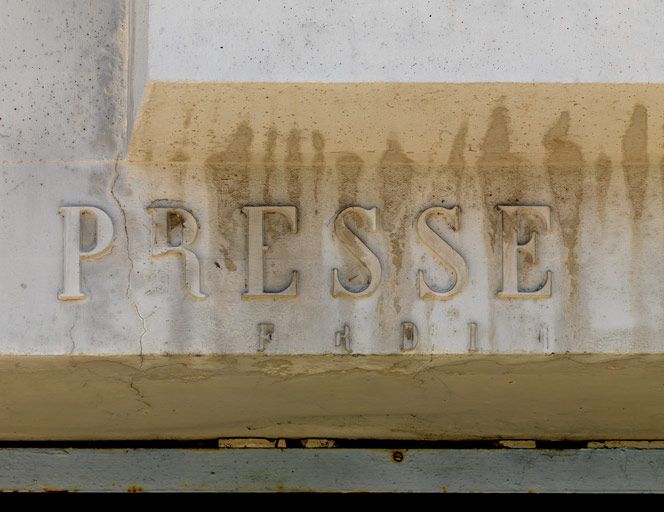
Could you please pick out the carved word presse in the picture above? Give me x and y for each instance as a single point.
(165, 243)
(164, 218)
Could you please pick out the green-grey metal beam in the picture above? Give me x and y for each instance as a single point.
(335, 469)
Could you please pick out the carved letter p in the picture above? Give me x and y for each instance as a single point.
(73, 254)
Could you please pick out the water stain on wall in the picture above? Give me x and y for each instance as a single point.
(396, 170)
(179, 154)
(635, 158)
(294, 166)
(603, 172)
(499, 169)
(269, 162)
(349, 168)
(318, 162)
(496, 149)
(635, 165)
(456, 160)
(564, 165)
(550, 153)
(501, 182)
(227, 173)
(661, 168)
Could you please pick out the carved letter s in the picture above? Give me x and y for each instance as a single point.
(357, 248)
(450, 258)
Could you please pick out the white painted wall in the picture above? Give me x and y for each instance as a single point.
(410, 40)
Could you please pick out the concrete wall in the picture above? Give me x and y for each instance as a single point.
(72, 81)
(407, 41)
(63, 80)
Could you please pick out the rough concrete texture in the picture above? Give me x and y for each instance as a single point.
(339, 470)
(584, 397)
(590, 153)
(138, 20)
(63, 79)
(71, 80)
(407, 40)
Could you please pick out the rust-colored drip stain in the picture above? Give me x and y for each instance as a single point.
(294, 166)
(275, 226)
(635, 158)
(457, 160)
(228, 174)
(349, 167)
(636, 165)
(180, 155)
(405, 147)
(603, 172)
(269, 162)
(499, 168)
(318, 163)
(496, 150)
(564, 166)
(396, 172)
(661, 167)
(496, 157)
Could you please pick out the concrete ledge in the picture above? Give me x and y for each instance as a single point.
(575, 397)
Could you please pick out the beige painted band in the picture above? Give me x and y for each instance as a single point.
(583, 397)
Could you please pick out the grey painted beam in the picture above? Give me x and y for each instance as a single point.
(430, 470)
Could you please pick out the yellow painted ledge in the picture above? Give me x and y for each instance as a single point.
(552, 397)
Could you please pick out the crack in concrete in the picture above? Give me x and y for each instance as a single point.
(116, 170)
(143, 332)
(141, 397)
(71, 333)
